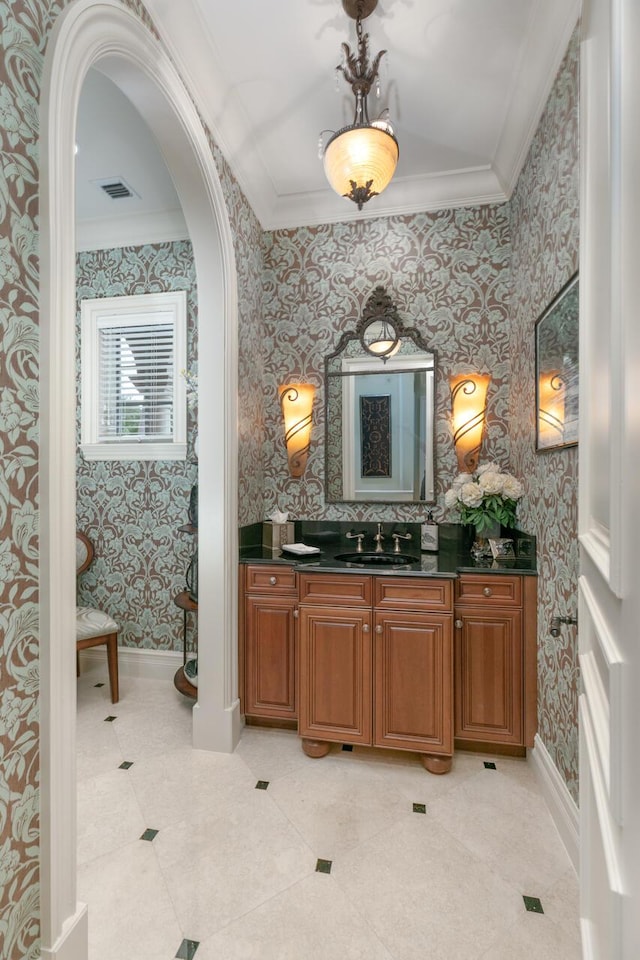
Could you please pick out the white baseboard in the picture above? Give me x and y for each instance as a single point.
(72, 944)
(135, 662)
(562, 806)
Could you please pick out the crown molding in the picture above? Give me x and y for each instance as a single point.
(460, 188)
(186, 35)
(107, 233)
(551, 26)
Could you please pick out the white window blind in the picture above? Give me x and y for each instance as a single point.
(136, 382)
(133, 397)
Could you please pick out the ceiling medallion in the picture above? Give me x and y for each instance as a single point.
(360, 160)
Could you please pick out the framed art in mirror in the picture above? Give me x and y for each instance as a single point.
(557, 371)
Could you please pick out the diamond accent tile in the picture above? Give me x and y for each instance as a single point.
(489, 765)
(262, 784)
(98, 684)
(149, 834)
(533, 904)
(110, 719)
(187, 949)
(342, 809)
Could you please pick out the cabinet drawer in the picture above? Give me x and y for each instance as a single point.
(266, 579)
(336, 589)
(490, 590)
(399, 593)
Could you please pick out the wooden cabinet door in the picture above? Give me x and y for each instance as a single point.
(334, 673)
(414, 681)
(488, 675)
(270, 663)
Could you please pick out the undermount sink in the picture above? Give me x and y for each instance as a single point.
(377, 559)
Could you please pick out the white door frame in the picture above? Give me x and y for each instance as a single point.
(609, 520)
(104, 34)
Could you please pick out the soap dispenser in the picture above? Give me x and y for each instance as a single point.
(430, 534)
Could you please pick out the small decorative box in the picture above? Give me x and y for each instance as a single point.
(274, 535)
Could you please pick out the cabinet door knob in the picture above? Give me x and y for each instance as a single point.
(458, 624)
(296, 613)
(487, 591)
(365, 628)
(379, 628)
(273, 581)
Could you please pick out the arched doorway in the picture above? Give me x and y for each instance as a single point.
(104, 33)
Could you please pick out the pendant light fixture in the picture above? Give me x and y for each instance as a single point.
(360, 160)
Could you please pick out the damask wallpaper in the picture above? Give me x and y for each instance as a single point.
(131, 510)
(545, 236)
(449, 276)
(25, 29)
(23, 36)
(451, 272)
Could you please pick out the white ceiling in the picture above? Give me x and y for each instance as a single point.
(465, 81)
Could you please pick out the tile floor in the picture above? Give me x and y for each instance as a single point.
(269, 855)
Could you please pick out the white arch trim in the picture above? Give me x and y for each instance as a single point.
(105, 34)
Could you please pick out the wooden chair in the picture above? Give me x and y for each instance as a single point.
(93, 626)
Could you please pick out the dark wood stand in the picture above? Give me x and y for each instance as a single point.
(187, 605)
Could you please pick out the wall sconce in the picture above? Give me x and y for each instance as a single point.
(469, 408)
(296, 401)
(551, 399)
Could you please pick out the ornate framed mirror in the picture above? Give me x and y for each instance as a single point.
(380, 401)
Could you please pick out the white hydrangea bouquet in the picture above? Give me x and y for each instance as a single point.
(485, 498)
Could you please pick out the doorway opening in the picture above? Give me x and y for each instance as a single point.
(92, 33)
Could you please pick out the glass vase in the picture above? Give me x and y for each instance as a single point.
(480, 548)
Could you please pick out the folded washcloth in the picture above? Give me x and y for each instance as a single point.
(300, 548)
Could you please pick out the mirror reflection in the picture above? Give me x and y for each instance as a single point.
(380, 411)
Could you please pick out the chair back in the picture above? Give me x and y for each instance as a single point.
(84, 552)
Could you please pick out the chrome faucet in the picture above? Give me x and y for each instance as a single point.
(378, 539)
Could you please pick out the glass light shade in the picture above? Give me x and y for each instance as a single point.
(296, 402)
(360, 154)
(384, 348)
(380, 339)
(551, 400)
(468, 407)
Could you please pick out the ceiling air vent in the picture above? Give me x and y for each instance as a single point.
(117, 188)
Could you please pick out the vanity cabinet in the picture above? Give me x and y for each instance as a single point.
(386, 660)
(269, 627)
(375, 664)
(495, 661)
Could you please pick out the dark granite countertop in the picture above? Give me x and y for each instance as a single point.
(452, 558)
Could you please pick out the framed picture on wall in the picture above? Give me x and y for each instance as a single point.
(557, 380)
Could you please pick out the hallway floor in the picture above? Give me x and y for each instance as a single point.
(269, 855)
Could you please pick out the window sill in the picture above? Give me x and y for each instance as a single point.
(134, 451)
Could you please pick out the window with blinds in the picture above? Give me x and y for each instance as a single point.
(133, 397)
